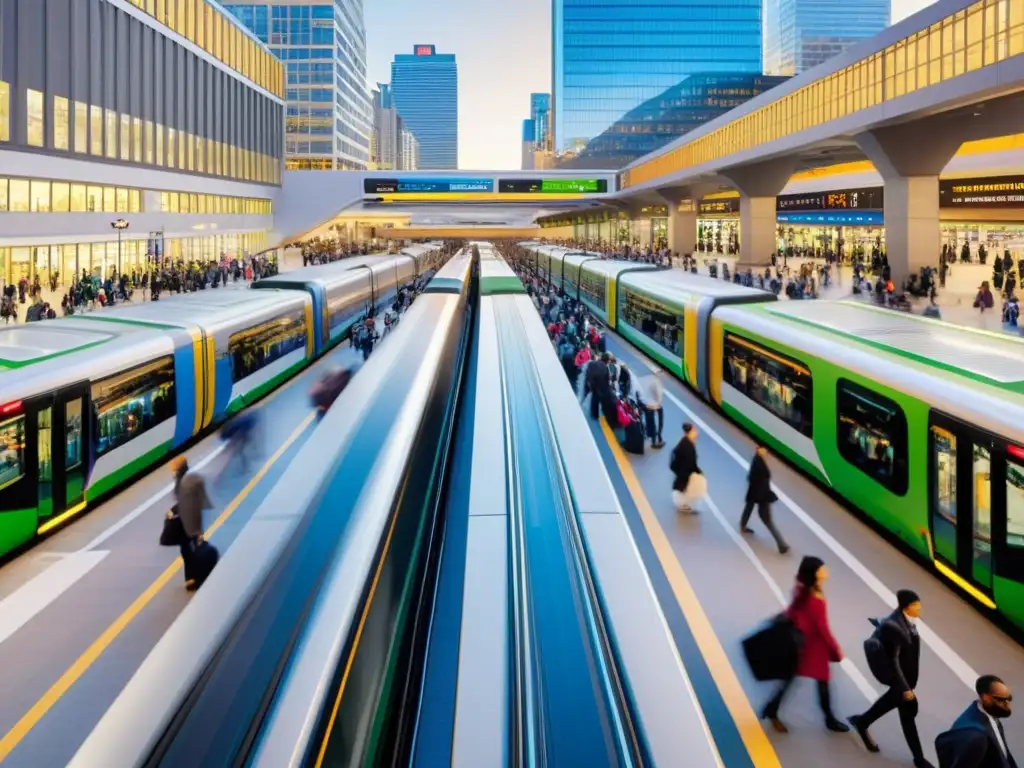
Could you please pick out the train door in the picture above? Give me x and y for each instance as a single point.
(975, 480)
(56, 443)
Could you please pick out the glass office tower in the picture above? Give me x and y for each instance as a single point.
(540, 114)
(610, 56)
(425, 89)
(800, 34)
(323, 46)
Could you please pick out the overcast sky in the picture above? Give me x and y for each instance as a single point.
(503, 50)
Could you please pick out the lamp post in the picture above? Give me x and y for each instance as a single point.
(120, 225)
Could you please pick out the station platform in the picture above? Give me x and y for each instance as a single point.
(81, 610)
(717, 585)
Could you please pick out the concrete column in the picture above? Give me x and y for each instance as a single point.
(682, 230)
(912, 231)
(757, 231)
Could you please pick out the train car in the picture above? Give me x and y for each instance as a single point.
(343, 292)
(454, 276)
(597, 283)
(918, 423)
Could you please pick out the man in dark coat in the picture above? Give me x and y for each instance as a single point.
(598, 384)
(684, 466)
(901, 646)
(760, 493)
(977, 738)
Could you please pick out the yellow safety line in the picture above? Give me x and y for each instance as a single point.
(761, 751)
(82, 664)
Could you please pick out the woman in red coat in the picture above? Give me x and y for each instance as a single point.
(809, 614)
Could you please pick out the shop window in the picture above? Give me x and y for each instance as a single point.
(78, 200)
(18, 198)
(655, 320)
(776, 382)
(1014, 504)
(131, 403)
(81, 127)
(34, 118)
(256, 348)
(60, 197)
(5, 111)
(96, 129)
(872, 435)
(12, 451)
(61, 119)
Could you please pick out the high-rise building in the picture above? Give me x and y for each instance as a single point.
(395, 147)
(609, 57)
(425, 90)
(323, 46)
(409, 149)
(800, 34)
(119, 156)
(540, 114)
(529, 143)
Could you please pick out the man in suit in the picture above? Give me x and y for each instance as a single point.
(684, 466)
(760, 493)
(977, 738)
(901, 646)
(597, 384)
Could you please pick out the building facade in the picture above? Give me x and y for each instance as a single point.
(385, 129)
(610, 56)
(425, 88)
(800, 34)
(409, 149)
(323, 46)
(540, 114)
(528, 144)
(167, 118)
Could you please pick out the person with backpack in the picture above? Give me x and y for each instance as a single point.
(894, 656)
(978, 738)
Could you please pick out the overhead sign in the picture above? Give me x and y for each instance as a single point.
(995, 192)
(718, 207)
(421, 186)
(870, 198)
(552, 186)
(855, 219)
(424, 50)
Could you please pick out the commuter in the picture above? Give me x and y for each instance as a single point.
(596, 384)
(761, 495)
(894, 656)
(191, 501)
(984, 300)
(809, 613)
(689, 484)
(977, 738)
(625, 381)
(651, 391)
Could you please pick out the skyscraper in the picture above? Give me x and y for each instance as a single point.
(425, 90)
(800, 34)
(529, 144)
(611, 56)
(323, 46)
(540, 113)
(395, 147)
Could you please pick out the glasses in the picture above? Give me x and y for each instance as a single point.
(1001, 699)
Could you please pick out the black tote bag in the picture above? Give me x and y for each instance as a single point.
(773, 651)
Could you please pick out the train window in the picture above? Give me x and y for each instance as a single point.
(1014, 504)
(570, 276)
(344, 307)
(593, 288)
(12, 451)
(658, 322)
(774, 381)
(257, 347)
(133, 402)
(872, 435)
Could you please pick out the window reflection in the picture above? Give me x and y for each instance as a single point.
(655, 320)
(872, 435)
(258, 347)
(34, 118)
(133, 402)
(775, 382)
(12, 451)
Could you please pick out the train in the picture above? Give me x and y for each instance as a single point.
(91, 401)
(917, 423)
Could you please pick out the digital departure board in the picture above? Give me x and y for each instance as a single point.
(422, 186)
(870, 198)
(552, 186)
(993, 192)
(719, 207)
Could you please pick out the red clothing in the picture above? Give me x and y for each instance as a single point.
(820, 647)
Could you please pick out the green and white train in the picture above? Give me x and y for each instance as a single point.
(916, 422)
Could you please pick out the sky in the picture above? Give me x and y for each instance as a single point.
(503, 52)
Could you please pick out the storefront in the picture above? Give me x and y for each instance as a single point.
(983, 211)
(718, 225)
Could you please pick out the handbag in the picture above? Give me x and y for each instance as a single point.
(696, 487)
(173, 534)
(773, 651)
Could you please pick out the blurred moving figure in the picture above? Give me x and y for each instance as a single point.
(240, 434)
(333, 383)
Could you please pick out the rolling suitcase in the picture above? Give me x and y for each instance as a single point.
(204, 560)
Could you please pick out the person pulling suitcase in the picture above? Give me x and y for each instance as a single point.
(191, 499)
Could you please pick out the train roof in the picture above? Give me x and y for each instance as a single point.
(684, 288)
(22, 345)
(451, 277)
(497, 277)
(615, 267)
(199, 308)
(995, 358)
(335, 273)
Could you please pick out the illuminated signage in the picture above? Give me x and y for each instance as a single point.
(423, 186)
(424, 50)
(837, 200)
(718, 207)
(856, 219)
(552, 186)
(995, 192)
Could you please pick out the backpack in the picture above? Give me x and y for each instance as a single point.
(876, 654)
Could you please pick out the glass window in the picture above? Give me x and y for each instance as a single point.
(5, 111)
(81, 127)
(136, 140)
(134, 201)
(149, 142)
(39, 196)
(655, 320)
(122, 200)
(111, 137)
(94, 199)
(170, 148)
(3, 200)
(12, 451)
(110, 199)
(78, 204)
(1014, 503)
(872, 435)
(60, 197)
(982, 534)
(159, 144)
(944, 496)
(130, 403)
(61, 119)
(96, 127)
(126, 137)
(34, 112)
(774, 381)
(258, 347)
(592, 287)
